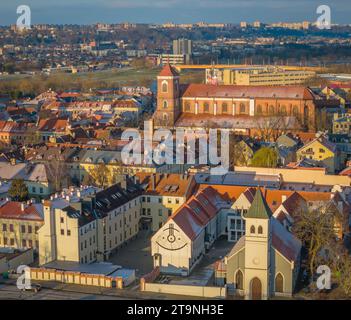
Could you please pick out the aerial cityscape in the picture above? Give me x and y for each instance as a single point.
(175, 160)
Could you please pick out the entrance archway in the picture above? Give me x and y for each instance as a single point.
(256, 289)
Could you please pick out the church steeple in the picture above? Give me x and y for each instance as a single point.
(259, 208)
(168, 102)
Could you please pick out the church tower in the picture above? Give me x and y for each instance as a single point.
(168, 97)
(258, 236)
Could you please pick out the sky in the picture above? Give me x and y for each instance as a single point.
(178, 11)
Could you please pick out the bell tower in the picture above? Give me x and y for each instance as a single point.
(258, 246)
(168, 97)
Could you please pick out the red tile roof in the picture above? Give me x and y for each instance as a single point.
(13, 210)
(168, 71)
(233, 91)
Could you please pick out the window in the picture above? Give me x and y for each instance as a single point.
(283, 110)
(206, 107)
(169, 212)
(61, 220)
(242, 108)
(165, 104)
(239, 280)
(259, 109)
(4, 227)
(271, 109)
(321, 150)
(260, 230)
(224, 107)
(187, 107)
(160, 212)
(164, 87)
(295, 111)
(23, 229)
(62, 232)
(29, 229)
(68, 232)
(12, 242)
(5, 241)
(252, 229)
(279, 283)
(11, 228)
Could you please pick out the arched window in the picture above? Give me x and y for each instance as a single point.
(206, 107)
(295, 111)
(252, 229)
(165, 104)
(164, 87)
(279, 283)
(165, 117)
(283, 110)
(271, 109)
(187, 107)
(224, 107)
(259, 109)
(239, 280)
(260, 230)
(242, 108)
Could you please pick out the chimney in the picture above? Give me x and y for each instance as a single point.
(23, 206)
(124, 182)
(153, 182)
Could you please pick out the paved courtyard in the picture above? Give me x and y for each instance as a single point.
(136, 254)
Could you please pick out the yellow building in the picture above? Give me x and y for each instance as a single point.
(265, 77)
(19, 223)
(163, 195)
(322, 152)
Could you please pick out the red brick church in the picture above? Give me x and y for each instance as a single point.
(239, 108)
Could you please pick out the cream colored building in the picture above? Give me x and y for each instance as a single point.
(182, 241)
(265, 262)
(84, 225)
(265, 77)
(163, 194)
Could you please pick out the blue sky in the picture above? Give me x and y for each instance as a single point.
(179, 11)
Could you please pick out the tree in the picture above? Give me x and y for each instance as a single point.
(315, 228)
(265, 157)
(18, 190)
(58, 173)
(100, 175)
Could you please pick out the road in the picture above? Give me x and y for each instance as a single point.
(10, 292)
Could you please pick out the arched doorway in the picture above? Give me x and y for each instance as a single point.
(256, 289)
(279, 283)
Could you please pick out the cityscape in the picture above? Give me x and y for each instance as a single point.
(175, 160)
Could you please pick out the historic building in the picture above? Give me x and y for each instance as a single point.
(266, 261)
(231, 106)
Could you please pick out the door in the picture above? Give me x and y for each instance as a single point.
(256, 289)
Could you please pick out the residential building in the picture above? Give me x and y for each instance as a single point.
(323, 152)
(19, 224)
(163, 194)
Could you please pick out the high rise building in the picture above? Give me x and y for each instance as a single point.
(183, 46)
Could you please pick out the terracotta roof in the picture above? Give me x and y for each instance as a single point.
(195, 214)
(233, 91)
(167, 184)
(13, 210)
(168, 71)
(54, 125)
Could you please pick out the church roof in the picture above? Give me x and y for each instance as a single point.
(168, 71)
(259, 208)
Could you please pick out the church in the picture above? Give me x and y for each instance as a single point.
(263, 263)
(238, 108)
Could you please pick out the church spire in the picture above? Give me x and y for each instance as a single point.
(259, 208)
